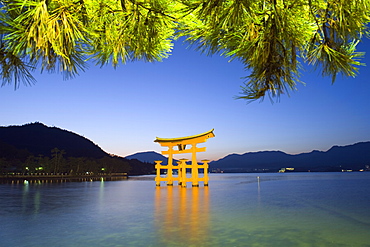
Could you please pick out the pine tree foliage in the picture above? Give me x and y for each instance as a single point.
(272, 38)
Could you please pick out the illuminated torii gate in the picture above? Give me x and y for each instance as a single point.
(181, 144)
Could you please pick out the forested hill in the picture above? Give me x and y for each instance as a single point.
(40, 139)
(35, 146)
(337, 158)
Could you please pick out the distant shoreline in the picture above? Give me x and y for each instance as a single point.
(44, 178)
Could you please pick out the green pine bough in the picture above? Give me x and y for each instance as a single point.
(272, 38)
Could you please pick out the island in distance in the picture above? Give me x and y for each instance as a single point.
(354, 157)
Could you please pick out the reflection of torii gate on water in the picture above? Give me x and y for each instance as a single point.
(181, 166)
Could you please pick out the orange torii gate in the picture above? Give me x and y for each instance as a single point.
(181, 144)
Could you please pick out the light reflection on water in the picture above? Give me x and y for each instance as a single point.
(182, 215)
(296, 209)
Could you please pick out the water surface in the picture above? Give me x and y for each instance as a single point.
(290, 209)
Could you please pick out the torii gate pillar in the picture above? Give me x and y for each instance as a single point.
(181, 143)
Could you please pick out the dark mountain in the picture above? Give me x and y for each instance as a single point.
(40, 139)
(351, 157)
(11, 153)
(31, 146)
(150, 157)
(265, 160)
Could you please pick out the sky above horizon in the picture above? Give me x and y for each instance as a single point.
(123, 110)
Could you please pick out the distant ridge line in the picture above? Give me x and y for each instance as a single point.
(337, 158)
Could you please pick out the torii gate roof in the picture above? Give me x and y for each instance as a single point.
(201, 137)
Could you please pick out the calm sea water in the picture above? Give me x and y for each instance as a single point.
(291, 209)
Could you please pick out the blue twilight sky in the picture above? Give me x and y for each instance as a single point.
(124, 110)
